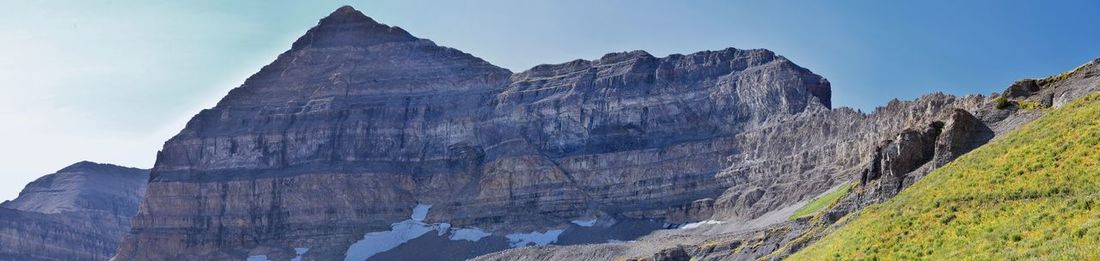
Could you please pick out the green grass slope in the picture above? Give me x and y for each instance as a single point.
(1032, 194)
(820, 203)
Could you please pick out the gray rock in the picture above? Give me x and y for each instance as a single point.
(78, 213)
(963, 132)
(359, 121)
(926, 134)
(1022, 88)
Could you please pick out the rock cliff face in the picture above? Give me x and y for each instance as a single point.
(78, 213)
(807, 154)
(939, 129)
(359, 122)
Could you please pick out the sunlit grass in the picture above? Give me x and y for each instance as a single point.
(821, 202)
(1033, 194)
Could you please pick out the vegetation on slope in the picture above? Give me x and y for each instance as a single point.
(1032, 194)
(821, 202)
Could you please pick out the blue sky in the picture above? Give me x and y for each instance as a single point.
(110, 81)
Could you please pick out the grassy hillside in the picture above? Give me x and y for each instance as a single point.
(820, 203)
(1033, 194)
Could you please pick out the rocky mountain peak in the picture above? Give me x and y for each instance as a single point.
(84, 186)
(349, 27)
(348, 56)
(88, 166)
(78, 213)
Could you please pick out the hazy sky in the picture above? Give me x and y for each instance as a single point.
(110, 81)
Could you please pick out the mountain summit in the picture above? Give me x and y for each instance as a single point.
(349, 27)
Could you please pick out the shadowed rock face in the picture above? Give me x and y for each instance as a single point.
(78, 213)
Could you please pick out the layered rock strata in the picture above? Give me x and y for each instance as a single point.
(359, 121)
(893, 163)
(79, 213)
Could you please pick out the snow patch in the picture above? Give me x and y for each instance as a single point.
(400, 232)
(378, 242)
(257, 258)
(536, 238)
(299, 251)
(585, 223)
(420, 212)
(442, 228)
(700, 223)
(468, 234)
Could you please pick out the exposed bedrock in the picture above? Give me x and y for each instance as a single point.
(360, 121)
(78, 213)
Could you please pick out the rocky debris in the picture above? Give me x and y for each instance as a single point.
(78, 213)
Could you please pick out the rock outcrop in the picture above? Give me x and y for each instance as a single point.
(79, 213)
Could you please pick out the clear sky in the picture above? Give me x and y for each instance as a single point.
(110, 81)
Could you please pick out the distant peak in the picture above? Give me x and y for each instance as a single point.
(348, 27)
(92, 166)
(82, 165)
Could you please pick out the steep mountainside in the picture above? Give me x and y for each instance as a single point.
(78, 213)
(826, 160)
(1028, 195)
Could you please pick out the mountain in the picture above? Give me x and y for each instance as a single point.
(364, 141)
(359, 122)
(78, 213)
